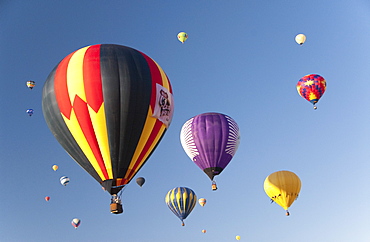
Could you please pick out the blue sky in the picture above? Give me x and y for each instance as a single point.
(241, 60)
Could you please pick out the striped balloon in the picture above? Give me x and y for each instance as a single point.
(181, 201)
(64, 180)
(311, 87)
(202, 201)
(108, 106)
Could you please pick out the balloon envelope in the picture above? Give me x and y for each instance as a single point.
(29, 111)
(202, 201)
(282, 187)
(140, 181)
(182, 37)
(210, 140)
(55, 167)
(108, 106)
(181, 201)
(75, 222)
(64, 180)
(237, 237)
(300, 39)
(204, 231)
(311, 87)
(47, 199)
(30, 84)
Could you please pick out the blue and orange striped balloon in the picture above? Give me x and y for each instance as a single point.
(311, 87)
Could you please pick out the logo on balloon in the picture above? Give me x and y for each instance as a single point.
(163, 109)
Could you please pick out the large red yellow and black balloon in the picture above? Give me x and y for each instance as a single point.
(108, 106)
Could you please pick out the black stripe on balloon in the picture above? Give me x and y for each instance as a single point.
(59, 129)
(126, 89)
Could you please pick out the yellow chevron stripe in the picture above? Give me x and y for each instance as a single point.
(101, 134)
(79, 136)
(75, 81)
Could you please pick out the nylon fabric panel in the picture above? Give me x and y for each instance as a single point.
(94, 97)
(56, 122)
(158, 76)
(80, 123)
(125, 76)
(153, 129)
(152, 132)
(171, 204)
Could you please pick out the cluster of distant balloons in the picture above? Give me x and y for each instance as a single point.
(115, 96)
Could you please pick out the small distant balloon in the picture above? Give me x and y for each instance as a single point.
(237, 237)
(55, 167)
(75, 222)
(202, 201)
(311, 87)
(29, 111)
(300, 39)
(47, 199)
(30, 84)
(204, 231)
(182, 36)
(64, 180)
(140, 181)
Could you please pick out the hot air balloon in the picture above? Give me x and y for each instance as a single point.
(55, 167)
(64, 180)
(47, 199)
(182, 36)
(202, 201)
(30, 84)
(237, 237)
(210, 140)
(30, 112)
(181, 201)
(140, 181)
(75, 222)
(300, 39)
(204, 231)
(311, 87)
(283, 188)
(108, 106)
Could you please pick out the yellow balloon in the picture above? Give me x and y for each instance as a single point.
(182, 36)
(55, 167)
(237, 237)
(300, 39)
(283, 188)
